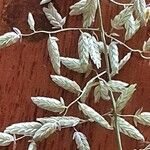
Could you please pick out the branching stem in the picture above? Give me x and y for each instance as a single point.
(129, 48)
(121, 43)
(77, 99)
(60, 30)
(86, 29)
(102, 34)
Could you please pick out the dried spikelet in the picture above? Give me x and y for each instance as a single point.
(32, 146)
(5, 139)
(44, 2)
(117, 86)
(46, 130)
(81, 141)
(114, 57)
(143, 118)
(53, 16)
(23, 128)
(31, 21)
(49, 104)
(66, 84)
(54, 55)
(93, 115)
(125, 97)
(87, 8)
(63, 121)
(120, 19)
(128, 129)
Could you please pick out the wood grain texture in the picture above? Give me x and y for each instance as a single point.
(25, 71)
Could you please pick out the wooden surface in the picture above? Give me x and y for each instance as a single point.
(25, 69)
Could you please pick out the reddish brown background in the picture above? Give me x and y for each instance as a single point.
(25, 69)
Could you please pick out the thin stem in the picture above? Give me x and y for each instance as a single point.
(76, 100)
(86, 29)
(147, 147)
(120, 4)
(14, 144)
(75, 129)
(145, 57)
(20, 138)
(107, 114)
(126, 115)
(102, 34)
(121, 43)
(84, 121)
(60, 30)
(72, 104)
(129, 48)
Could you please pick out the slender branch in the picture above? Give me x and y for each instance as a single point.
(147, 147)
(14, 144)
(72, 104)
(76, 100)
(121, 43)
(60, 30)
(20, 138)
(145, 57)
(86, 29)
(17, 139)
(129, 48)
(75, 129)
(102, 34)
(126, 115)
(120, 4)
(107, 114)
